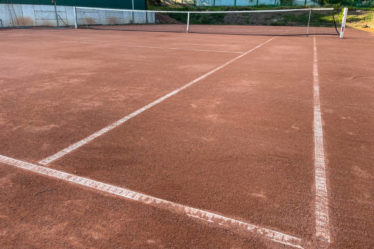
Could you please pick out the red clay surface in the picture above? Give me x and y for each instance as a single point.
(347, 96)
(239, 143)
(58, 86)
(217, 145)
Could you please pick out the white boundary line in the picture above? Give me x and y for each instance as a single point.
(193, 213)
(321, 209)
(88, 139)
(184, 49)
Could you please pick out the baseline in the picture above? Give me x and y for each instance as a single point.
(194, 213)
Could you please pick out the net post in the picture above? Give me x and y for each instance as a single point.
(188, 22)
(56, 14)
(132, 12)
(308, 25)
(342, 29)
(75, 17)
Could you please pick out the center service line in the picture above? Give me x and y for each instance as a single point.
(321, 201)
(93, 136)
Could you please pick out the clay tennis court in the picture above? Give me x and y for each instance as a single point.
(170, 140)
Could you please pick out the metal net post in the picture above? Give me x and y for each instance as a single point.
(308, 25)
(188, 22)
(342, 29)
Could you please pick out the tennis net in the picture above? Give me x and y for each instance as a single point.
(313, 21)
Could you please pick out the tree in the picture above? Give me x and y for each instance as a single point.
(154, 2)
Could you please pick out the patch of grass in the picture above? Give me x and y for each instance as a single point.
(221, 8)
(362, 20)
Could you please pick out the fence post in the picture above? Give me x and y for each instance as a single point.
(75, 17)
(132, 12)
(57, 23)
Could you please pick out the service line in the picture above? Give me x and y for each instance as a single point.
(93, 136)
(321, 205)
(193, 213)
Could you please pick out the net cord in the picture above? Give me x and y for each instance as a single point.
(209, 12)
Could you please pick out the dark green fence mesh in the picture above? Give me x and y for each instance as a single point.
(120, 4)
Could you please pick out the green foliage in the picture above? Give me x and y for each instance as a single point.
(219, 8)
(154, 2)
(284, 4)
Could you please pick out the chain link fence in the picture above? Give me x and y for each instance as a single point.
(238, 3)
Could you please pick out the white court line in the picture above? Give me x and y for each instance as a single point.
(321, 209)
(185, 49)
(88, 139)
(193, 213)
